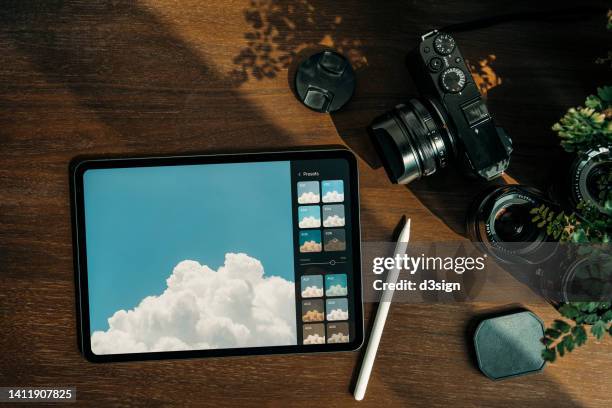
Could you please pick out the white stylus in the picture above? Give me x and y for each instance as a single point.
(381, 317)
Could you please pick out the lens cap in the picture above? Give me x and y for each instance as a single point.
(509, 346)
(325, 82)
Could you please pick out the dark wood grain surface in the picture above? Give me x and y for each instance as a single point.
(168, 77)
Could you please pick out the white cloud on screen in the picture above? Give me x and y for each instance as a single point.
(310, 246)
(234, 306)
(333, 197)
(333, 221)
(310, 222)
(338, 338)
(309, 197)
(337, 314)
(314, 339)
(336, 290)
(312, 291)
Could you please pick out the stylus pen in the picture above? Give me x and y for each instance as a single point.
(381, 317)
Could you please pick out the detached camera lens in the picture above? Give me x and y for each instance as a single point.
(413, 140)
(500, 220)
(591, 176)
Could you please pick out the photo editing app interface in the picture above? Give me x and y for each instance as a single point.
(323, 261)
(218, 256)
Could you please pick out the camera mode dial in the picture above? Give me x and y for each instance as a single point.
(452, 80)
(444, 44)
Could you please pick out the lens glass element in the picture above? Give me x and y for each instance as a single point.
(513, 224)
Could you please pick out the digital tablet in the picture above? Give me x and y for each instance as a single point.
(217, 255)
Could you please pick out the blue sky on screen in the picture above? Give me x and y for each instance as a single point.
(141, 222)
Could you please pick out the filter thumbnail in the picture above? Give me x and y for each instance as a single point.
(335, 240)
(313, 333)
(308, 192)
(337, 309)
(333, 215)
(312, 286)
(337, 332)
(335, 285)
(312, 310)
(310, 241)
(309, 216)
(333, 191)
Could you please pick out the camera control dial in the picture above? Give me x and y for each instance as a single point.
(444, 44)
(452, 80)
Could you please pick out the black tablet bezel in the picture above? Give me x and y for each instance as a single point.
(79, 166)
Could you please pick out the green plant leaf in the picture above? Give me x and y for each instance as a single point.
(552, 333)
(605, 94)
(580, 335)
(568, 341)
(582, 306)
(590, 318)
(561, 349)
(561, 326)
(569, 310)
(549, 354)
(592, 102)
(579, 236)
(598, 329)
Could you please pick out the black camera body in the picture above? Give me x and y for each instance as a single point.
(449, 121)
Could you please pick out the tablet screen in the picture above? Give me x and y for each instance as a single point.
(219, 256)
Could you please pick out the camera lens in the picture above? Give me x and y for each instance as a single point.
(500, 220)
(413, 140)
(591, 175)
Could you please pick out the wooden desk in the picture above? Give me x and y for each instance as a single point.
(160, 76)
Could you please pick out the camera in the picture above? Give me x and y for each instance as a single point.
(448, 122)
